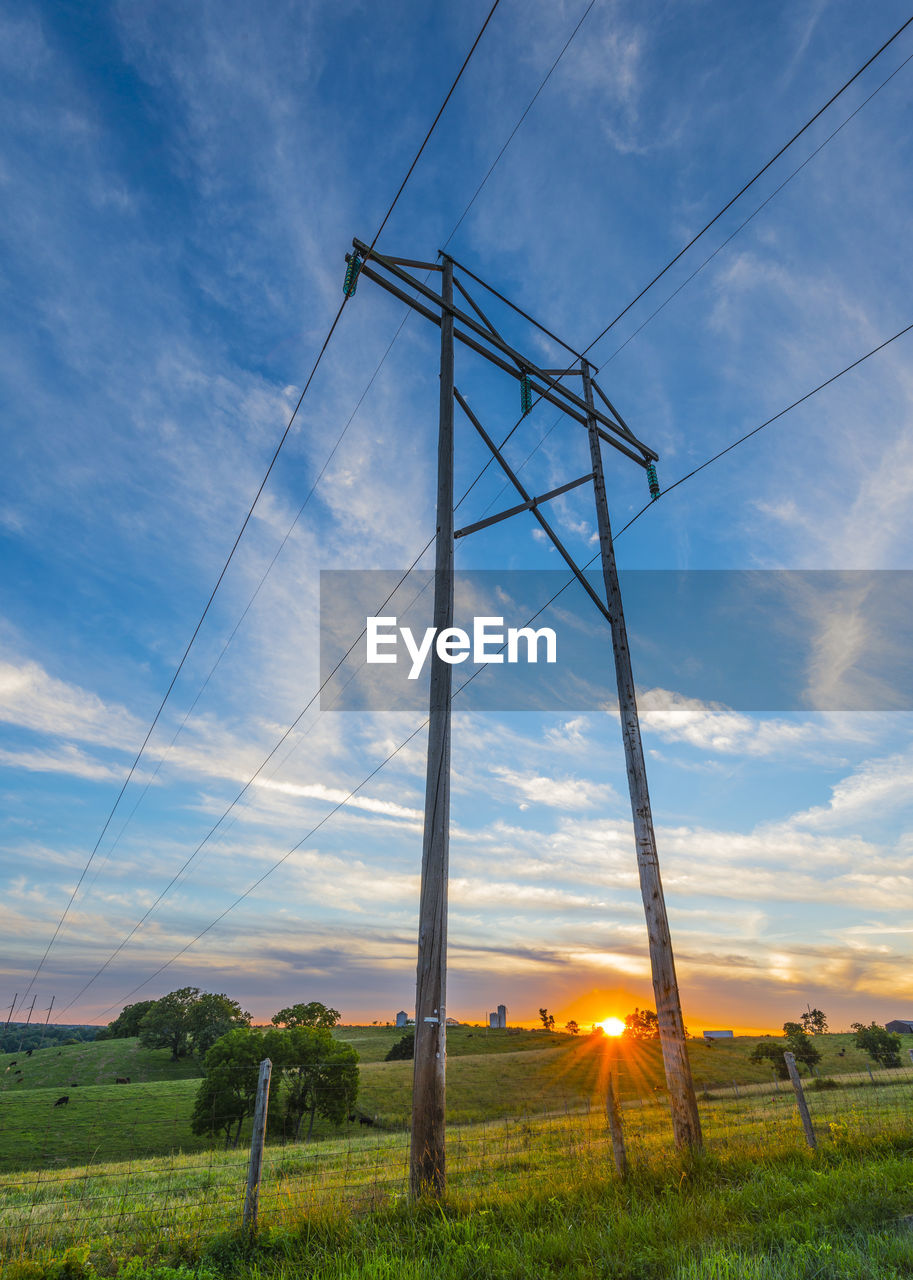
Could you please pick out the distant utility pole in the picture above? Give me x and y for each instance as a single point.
(46, 1021)
(603, 424)
(27, 1021)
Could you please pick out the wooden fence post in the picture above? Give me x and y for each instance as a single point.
(810, 1138)
(258, 1134)
(911, 1055)
(613, 1111)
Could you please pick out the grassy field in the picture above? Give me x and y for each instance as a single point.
(526, 1198)
(97, 1062)
(490, 1075)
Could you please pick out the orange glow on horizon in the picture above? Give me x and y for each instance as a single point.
(612, 1026)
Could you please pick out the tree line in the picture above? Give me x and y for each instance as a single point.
(313, 1074)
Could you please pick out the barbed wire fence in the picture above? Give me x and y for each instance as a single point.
(161, 1194)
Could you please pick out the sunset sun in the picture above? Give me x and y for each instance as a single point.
(612, 1026)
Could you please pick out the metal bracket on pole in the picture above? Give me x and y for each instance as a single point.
(523, 506)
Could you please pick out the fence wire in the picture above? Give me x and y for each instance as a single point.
(155, 1200)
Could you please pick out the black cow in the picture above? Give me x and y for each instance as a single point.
(29, 1052)
(62, 1102)
(122, 1080)
(365, 1120)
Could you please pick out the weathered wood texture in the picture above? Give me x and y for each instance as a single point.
(257, 1138)
(793, 1070)
(613, 1112)
(427, 1167)
(685, 1120)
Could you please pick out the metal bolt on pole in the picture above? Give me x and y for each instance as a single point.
(427, 1170)
(257, 1137)
(686, 1123)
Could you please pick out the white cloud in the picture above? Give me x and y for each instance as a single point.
(33, 699)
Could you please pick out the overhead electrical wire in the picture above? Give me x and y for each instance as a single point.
(263, 482)
(642, 292)
(570, 581)
(722, 245)
(292, 526)
(407, 312)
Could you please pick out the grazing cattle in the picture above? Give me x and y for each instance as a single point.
(122, 1080)
(365, 1120)
(14, 1061)
(62, 1102)
(29, 1052)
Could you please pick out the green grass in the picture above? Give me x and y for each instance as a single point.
(98, 1062)
(527, 1198)
(489, 1076)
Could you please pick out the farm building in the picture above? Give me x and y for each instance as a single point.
(402, 1018)
(903, 1026)
(718, 1035)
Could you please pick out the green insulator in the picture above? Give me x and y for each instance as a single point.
(526, 394)
(351, 281)
(652, 481)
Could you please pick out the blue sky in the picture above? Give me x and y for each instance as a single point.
(180, 187)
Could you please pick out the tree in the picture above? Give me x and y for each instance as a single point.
(880, 1044)
(210, 1017)
(548, 1020)
(314, 1014)
(796, 1041)
(571, 1027)
(167, 1024)
(127, 1022)
(642, 1024)
(814, 1022)
(228, 1092)
(320, 1076)
(403, 1050)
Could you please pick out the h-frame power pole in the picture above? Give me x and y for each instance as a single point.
(604, 425)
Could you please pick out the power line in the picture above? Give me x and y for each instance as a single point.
(729, 203)
(665, 269)
(747, 436)
(248, 784)
(742, 225)
(511, 135)
(256, 499)
(735, 444)
(336, 446)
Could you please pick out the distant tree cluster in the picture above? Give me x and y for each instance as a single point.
(189, 1021)
(880, 1044)
(796, 1041)
(186, 1021)
(19, 1036)
(403, 1050)
(642, 1024)
(312, 1075)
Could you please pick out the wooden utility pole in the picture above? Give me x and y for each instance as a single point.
(686, 1123)
(27, 1021)
(427, 1171)
(46, 1021)
(469, 325)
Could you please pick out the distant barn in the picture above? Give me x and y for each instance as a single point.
(903, 1026)
(402, 1018)
(718, 1035)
